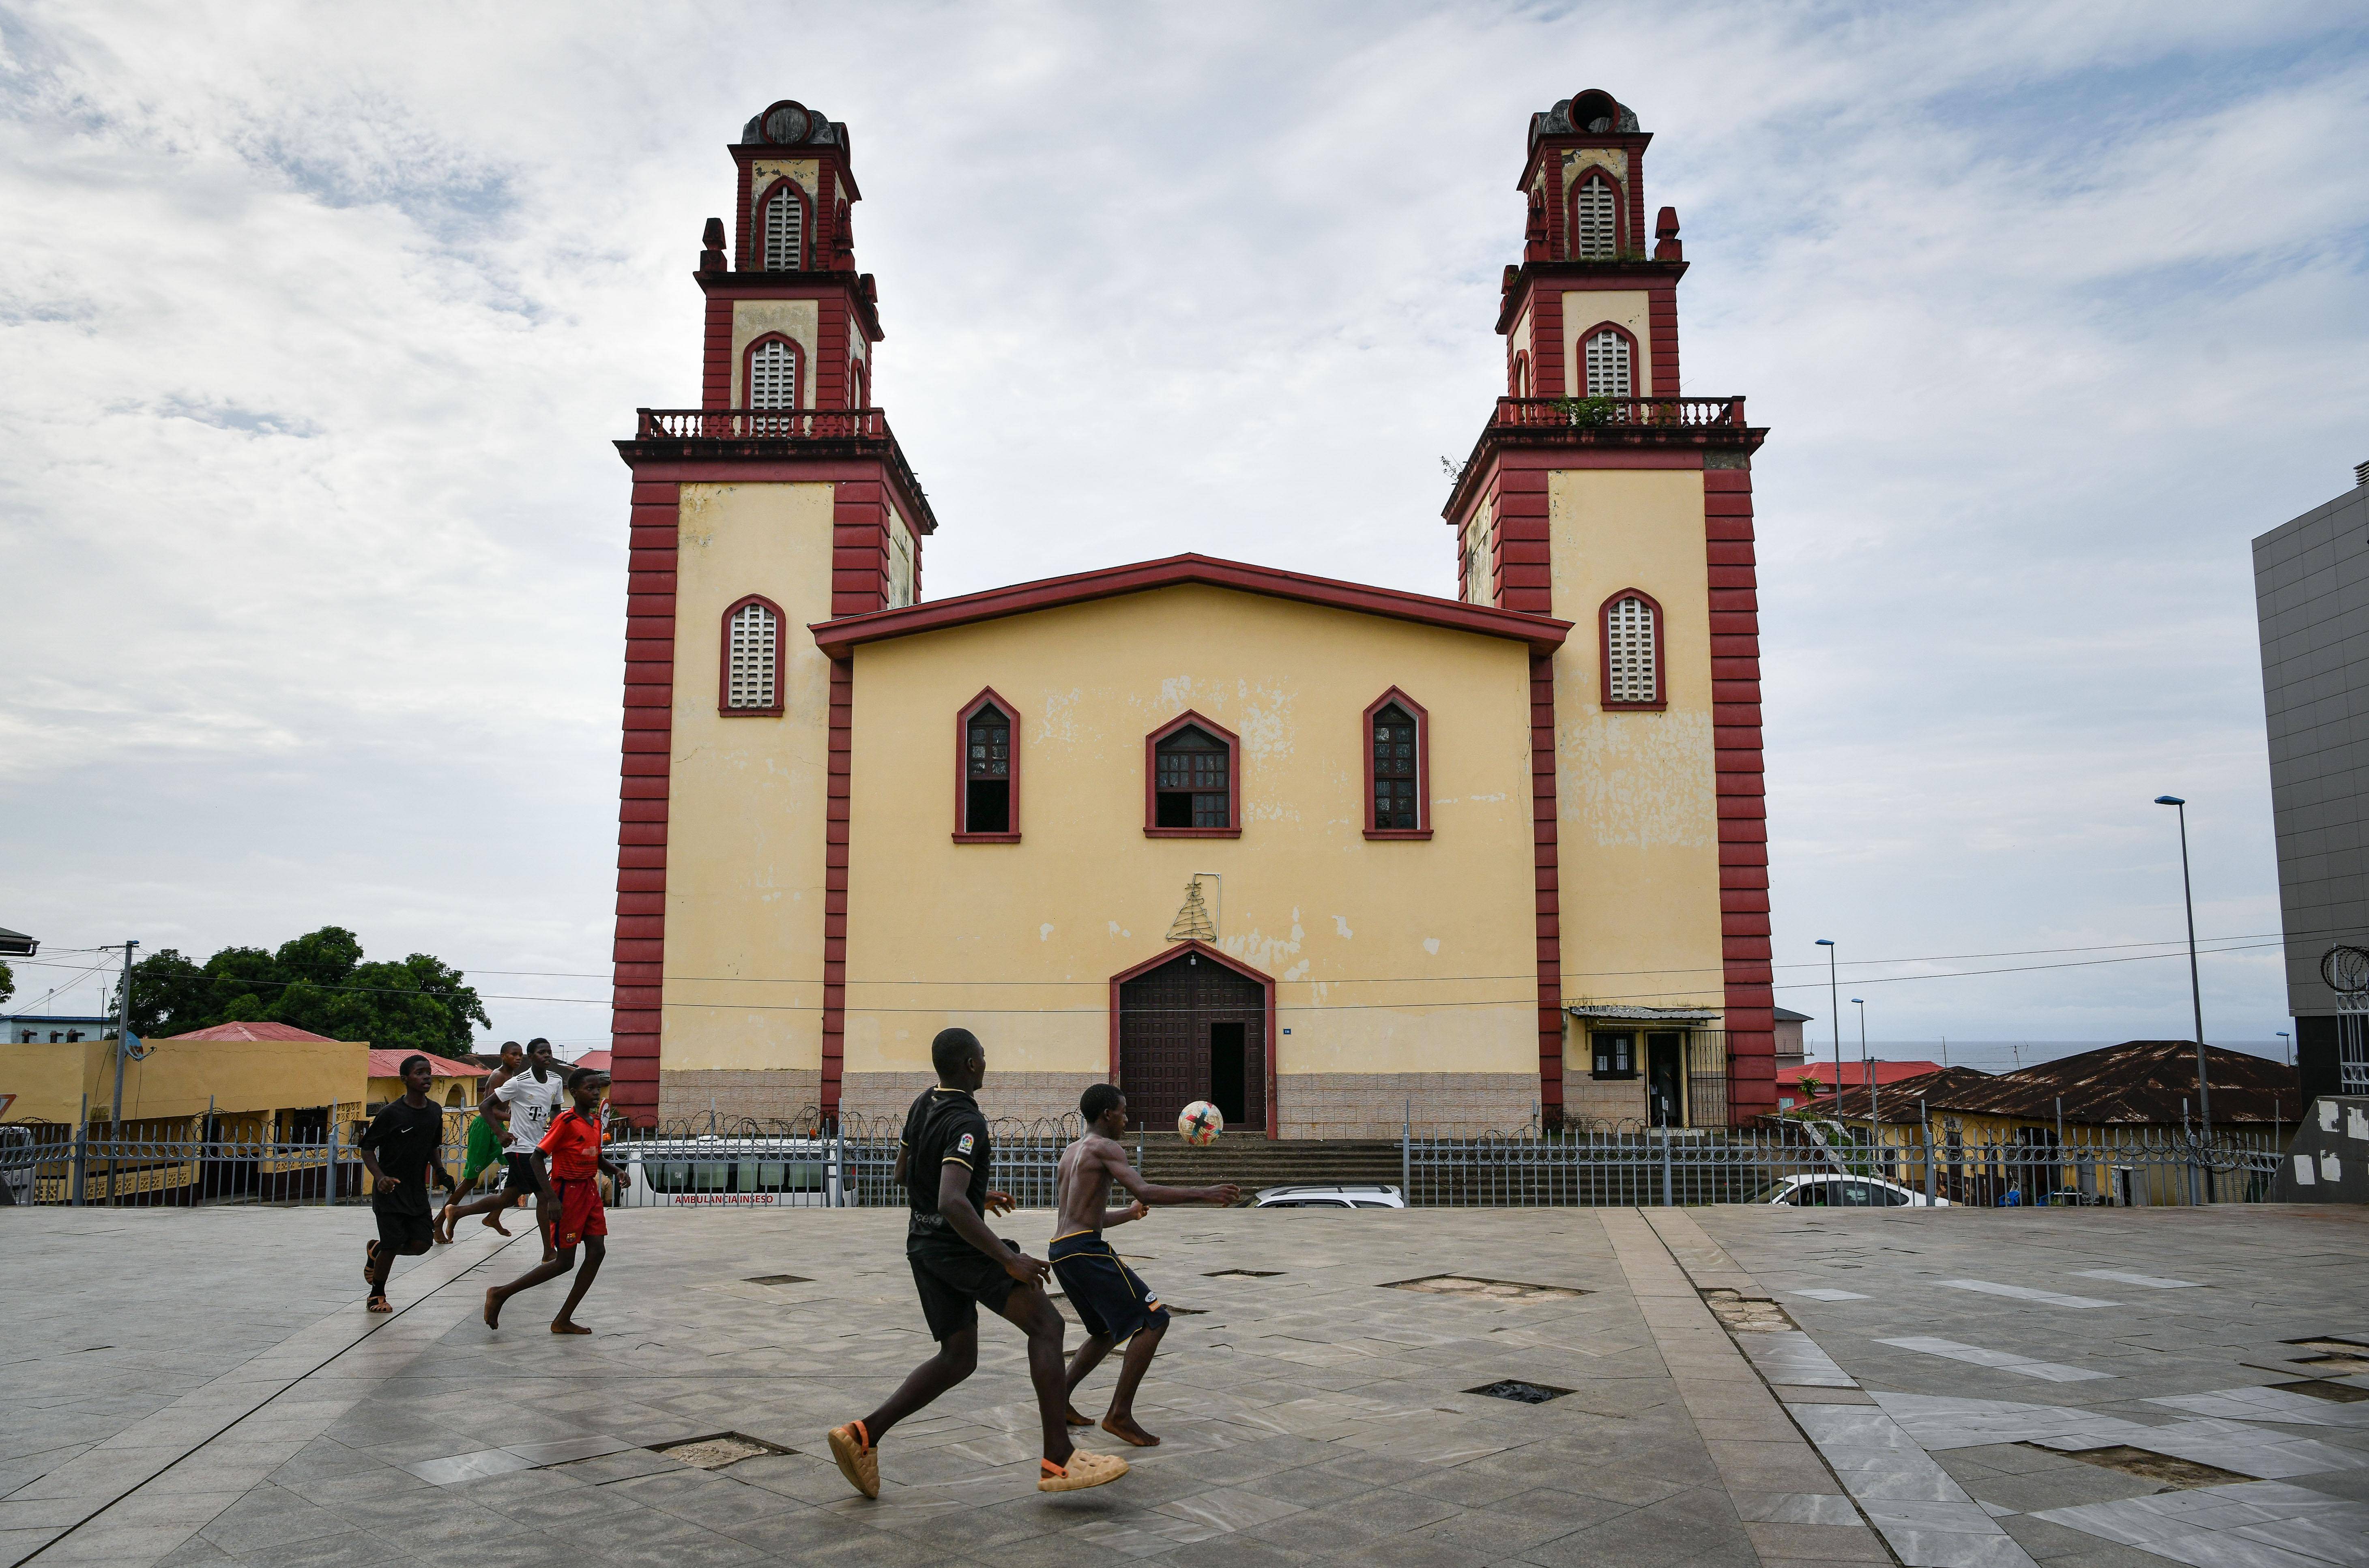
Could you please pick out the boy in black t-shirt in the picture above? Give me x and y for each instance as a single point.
(959, 1264)
(400, 1149)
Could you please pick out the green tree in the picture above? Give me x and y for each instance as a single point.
(316, 982)
(7, 980)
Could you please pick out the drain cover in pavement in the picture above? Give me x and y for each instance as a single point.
(2337, 1357)
(1473, 1288)
(779, 1279)
(2151, 1465)
(2320, 1387)
(1519, 1391)
(1243, 1273)
(723, 1448)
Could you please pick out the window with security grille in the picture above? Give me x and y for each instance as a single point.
(1630, 670)
(1192, 782)
(1608, 365)
(752, 659)
(1395, 803)
(773, 375)
(786, 218)
(1595, 235)
(987, 771)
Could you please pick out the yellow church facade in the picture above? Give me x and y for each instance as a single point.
(1329, 854)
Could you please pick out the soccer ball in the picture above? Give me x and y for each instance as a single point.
(1200, 1124)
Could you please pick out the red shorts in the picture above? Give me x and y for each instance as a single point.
(581, 1212)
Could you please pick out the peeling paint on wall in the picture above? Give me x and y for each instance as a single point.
(1044, 932)
(1647, 782)
(1431, 945)
(1341, 927)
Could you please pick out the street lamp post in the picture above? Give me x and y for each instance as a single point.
(1867, 1068)
(2195, 991)
(2287, 1050)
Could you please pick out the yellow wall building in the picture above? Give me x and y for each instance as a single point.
(1326, 853)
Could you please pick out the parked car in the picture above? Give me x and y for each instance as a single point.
(1328, 1196)
(1844, 1192)
(17, 1157)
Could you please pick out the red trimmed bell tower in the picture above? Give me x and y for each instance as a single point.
(1594, 442)
(787, 399)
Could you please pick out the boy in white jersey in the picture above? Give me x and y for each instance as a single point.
(524, 1105)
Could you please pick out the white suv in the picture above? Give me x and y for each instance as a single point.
(1326, 1196)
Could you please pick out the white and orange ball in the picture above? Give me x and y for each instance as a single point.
(1200, 1124)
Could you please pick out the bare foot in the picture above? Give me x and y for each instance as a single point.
(493, 1310)
(562, 1325)
(1124, 1429)
(549, 1252)
(1077, 1420)
(494, 1221)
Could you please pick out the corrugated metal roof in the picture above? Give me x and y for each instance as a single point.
(2138, 1082)
(389, 1064)
(250, 1032)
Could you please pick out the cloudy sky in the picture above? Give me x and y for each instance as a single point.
(316, 324)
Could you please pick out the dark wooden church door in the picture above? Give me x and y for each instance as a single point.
(1192, 1030)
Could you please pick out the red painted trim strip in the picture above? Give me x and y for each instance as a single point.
(837, 637)
(1178, 950)
(1743, 813)
(834, 884)
(638, 951)
(1547, 875)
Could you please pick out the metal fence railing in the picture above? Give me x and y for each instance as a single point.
(811, 1162)
(1811, 1164)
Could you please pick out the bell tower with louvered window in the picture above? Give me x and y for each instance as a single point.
(780, 501)
(1599, 495)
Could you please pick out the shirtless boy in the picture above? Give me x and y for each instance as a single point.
(960, 1265)
(1114, 1305)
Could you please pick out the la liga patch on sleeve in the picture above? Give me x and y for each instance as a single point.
(963, 1146)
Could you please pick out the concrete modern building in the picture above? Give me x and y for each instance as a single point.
(2311, 595)
(1313, 850)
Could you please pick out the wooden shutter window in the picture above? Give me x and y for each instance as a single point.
(987, 771)
(1595, 235)
(1193, 784)
(785, 232)
(1608, 365)
(752, 659)
(1632, 669)
(1396, 806)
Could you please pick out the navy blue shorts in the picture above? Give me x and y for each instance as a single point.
(1112, 1302)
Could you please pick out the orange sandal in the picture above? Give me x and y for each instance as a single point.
(858, 1460)
(1085, 1469)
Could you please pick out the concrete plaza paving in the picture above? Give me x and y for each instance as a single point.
(2080, 1389)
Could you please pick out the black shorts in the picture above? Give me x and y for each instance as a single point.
(1112, 1302)
(518, 1174)
(401, 1232)
(955, 1279)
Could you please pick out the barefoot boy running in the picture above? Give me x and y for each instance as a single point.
(572, 1148)
(401, 1150)
(958, 1263)
(1114, 1305)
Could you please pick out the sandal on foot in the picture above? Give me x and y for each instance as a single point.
(378, 1304)
(1084, 1470)
(858, 1460)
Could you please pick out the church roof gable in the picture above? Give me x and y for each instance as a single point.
(838, 638)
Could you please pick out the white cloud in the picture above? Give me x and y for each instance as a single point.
(316, 324)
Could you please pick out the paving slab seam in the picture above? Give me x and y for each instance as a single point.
(1768, 1464)
(222, 1404)
(1925, 1518)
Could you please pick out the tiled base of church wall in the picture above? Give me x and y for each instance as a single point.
(757, 1094)
(1588, 1100)
(1018, 1096)
(1375, 1104)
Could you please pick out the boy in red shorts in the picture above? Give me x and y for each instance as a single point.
(570, 1163)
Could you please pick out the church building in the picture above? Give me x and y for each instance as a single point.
(1326, 853)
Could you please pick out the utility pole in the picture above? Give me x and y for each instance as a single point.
(2195, 989)
(123, 1037)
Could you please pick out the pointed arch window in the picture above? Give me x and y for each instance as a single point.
(1594, 220)
(1192, 784)
(1518, 380)
(773, 373)
(749, 682)
(1397, 744)
(1631, 626)
(1611, 360)
(986, 797)
(782, 229)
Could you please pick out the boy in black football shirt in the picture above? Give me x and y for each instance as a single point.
(400, 1149)
(959, 1264)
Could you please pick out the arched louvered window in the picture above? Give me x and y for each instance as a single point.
(1595, 228)
(752, 659)
(1194, 778)
(1632, 651)
(1608, 363)
(786, 230)
(1397, 757)
(773, 374)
